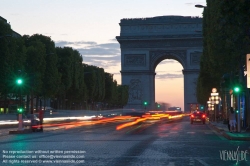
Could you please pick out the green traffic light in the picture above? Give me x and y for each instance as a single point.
(236, 89)
(19, 81)
(158, 106)
(20, 110)
(145, 103)
(237, 111)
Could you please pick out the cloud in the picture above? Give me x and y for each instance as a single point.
(98, 51)
(104, 62)
(169, 76)
(15, 14)
(73, 44)
(178, 71)
(168, 61)
(118, 73)
(113, 40)
(194, 3)
(105, 55)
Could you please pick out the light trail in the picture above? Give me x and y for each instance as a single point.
(148, 116)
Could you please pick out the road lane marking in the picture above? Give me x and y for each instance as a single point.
(171, 164)
(202, 162)
(191, 161)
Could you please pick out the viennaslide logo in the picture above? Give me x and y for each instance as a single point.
(233, 155)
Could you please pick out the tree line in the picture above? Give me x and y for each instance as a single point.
(53, 72)
(226, 41)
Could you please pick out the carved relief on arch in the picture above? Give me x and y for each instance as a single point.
(135, 60)
(135, 91)
(195, 58)
(179, 55)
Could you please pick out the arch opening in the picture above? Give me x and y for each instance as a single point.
(169, 83)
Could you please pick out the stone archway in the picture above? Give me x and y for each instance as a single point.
(146, 42)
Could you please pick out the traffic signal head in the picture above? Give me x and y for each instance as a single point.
(145, 103)
(236, 89)
(158, 105)
(20, 110)
(237, 111)
(19, 81)
(201, 107)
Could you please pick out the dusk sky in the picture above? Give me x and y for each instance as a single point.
(90, 26)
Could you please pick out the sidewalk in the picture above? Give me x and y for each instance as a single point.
(223, 129)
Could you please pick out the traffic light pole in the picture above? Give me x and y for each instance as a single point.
(238, 115)
(20, 115)
(20, 122)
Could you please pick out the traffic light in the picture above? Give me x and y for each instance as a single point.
(201, 107)
(237, 111)
(236, 89)
(158, 105)
(20, 110)
(19, 81)
(145, 103)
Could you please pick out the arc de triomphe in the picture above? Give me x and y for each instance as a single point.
(145, 42)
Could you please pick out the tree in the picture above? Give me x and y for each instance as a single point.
(35, 65)
(90, 80)
(12, 58)
(122, 94)
(51, 78)
(109, 89)
(225, 38)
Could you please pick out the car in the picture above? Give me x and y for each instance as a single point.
(31, 120)
(46, 109)
(198, 116)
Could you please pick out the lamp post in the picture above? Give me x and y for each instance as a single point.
(215, 101)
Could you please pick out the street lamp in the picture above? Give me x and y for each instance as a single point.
(200, 6)
(215, 100)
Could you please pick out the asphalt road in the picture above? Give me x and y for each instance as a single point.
(154, 142)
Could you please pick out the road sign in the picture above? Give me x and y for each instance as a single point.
(248, 70)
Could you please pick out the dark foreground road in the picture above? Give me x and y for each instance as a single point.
(151, 143)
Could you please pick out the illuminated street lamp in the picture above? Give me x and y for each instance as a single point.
(214, 100)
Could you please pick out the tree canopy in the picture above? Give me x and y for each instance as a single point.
(54, 72)
(226, 42)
